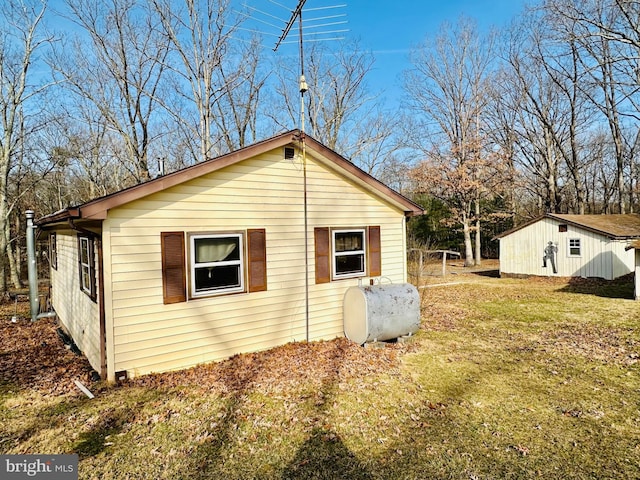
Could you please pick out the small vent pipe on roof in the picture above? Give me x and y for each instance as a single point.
(32, 266)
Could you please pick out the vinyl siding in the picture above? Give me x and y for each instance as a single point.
(521, 252)
(74, 309)
(264, 192)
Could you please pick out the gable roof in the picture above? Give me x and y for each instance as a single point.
(616, 226)
(97, 209)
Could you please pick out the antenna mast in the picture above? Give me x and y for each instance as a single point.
(303, 87)
(297, 13)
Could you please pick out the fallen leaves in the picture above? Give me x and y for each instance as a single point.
(32, 356)
(326, 364)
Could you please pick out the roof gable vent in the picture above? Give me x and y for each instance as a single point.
(289, 153)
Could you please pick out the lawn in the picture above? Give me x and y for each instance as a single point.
(508, 378)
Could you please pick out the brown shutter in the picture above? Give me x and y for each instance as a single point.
(323, 255)
(174, 289)
(257, 261)
(375, 259)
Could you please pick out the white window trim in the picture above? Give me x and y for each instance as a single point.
(579, 246)
(84, 246)
(192, 265)
(363, 252)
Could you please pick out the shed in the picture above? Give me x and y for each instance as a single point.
(240, 253)
(571, 246)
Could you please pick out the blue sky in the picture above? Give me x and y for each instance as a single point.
(390, 29)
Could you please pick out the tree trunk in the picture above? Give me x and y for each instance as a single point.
(478, 237)
(468, 248)
(12, 255)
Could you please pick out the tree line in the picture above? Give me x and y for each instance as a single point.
(494, 127)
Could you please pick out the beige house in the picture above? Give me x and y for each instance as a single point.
(240, 253)
(571, 246)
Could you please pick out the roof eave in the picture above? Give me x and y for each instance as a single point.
(98, 209)
(590, 228)
(59, 217)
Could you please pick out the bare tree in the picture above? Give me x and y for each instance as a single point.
(541, 79)
(199, 32)
(117, 64)
(340, 111)
(608, 34)
(447, 92)
(238, 103)
(21, 38)
(500, 128)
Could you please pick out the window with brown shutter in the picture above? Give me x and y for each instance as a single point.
(348, 252)
(374, 252)
(257, 259)
(322, 254)
(174, 288)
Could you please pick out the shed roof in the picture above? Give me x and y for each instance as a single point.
(615, 226)
(97, 209)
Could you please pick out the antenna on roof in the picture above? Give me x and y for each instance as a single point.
(297, 14)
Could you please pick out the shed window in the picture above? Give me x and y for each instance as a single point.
(562, 228)
(87, 267)
(216, 264)
(348, 253)
(574, 247)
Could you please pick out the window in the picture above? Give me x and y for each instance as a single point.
(53, 251)
(348, 253)
(87, 267)
(216, 264)
(574, 247)
(562, 228)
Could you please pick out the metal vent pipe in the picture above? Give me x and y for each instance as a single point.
(32, 265)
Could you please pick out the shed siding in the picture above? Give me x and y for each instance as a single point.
(522, 252)
(264, 192)
(74, 309)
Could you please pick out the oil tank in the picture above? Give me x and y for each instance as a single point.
(381, 312)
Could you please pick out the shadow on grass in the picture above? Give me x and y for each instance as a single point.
(495, 273)
(622, 287)
(94, 442)
(324, 456)
(103, 418)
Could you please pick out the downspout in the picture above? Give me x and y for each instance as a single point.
(32, 266)
(100, 294)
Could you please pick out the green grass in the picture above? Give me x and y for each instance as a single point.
(507, 379)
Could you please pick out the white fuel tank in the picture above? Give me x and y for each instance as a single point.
(381, 312)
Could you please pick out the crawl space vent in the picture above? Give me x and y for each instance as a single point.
(289, 153)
